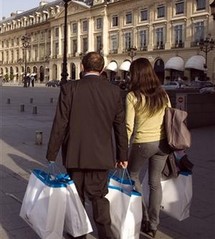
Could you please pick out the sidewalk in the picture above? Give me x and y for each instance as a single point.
(19, 155)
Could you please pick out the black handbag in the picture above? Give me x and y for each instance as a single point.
(175, 165)
(170, 169)
(184, 164)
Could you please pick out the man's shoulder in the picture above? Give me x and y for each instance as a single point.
(72, 83)
(113, 88)
(69, 86)
(111, 85)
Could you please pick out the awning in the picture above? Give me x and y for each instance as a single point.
(175, 63)
(125, 66)
(196, 62)
(112, 66)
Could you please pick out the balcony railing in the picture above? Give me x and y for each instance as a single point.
(194, 44)
(143, 48)
(159, 46)
(73, 54)
(178, 45)
(113, 51)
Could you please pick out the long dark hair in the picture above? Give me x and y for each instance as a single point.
(144, 81)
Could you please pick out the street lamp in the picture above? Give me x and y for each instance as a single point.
(206, 46)
(25, 44)
(47, 58)
(132, 52)
(212, 5)
(64, 73)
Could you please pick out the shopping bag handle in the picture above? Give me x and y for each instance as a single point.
(54, 173)
(61, 180)
(53, 169)
(123, 176)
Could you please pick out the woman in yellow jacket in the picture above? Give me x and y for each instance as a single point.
(145, 107)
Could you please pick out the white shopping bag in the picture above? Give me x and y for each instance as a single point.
(44, 205)
(176, 195)
(52, 203)
(125, 209)
(77, 222)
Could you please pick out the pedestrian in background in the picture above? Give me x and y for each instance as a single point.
(28, 80)
(88, 111)
(145, 107)
(32, 80)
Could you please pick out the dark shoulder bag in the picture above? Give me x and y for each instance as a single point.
(178, 135)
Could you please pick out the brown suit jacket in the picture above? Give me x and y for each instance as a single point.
(89, 112)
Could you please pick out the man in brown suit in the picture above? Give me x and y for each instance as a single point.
(89, 112)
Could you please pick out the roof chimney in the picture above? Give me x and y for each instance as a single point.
(42, 3)
(13, 14)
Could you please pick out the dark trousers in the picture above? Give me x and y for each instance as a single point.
(156, 154)
(93, 184)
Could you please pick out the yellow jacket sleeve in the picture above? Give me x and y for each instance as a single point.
(130, 115)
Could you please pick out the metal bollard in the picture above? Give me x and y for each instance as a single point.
(35, 110)
(8, 100)
(51, 100)
(31, 100)
(22, 108)
(39, 137)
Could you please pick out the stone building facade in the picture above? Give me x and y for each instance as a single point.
(166, 32)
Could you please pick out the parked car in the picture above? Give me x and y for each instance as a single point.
(171, 85)
(207, 90)
(201, 84)
(53, 83)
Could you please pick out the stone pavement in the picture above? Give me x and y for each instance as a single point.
(19, 155)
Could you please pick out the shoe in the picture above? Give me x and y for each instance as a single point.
(145, 226)
(152, 233)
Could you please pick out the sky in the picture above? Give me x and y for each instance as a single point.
(9, 6)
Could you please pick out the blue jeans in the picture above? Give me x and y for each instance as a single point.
(156, 154)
